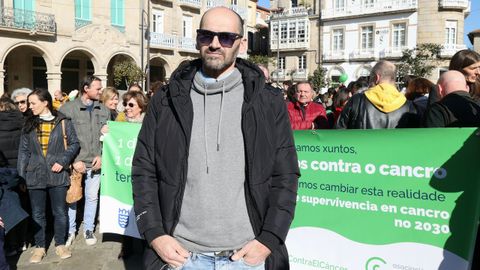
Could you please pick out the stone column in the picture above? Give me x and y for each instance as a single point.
(102, 76)
(54, 81)
(2, 81)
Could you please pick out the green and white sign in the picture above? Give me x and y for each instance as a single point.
(386, 199)
(116, 197)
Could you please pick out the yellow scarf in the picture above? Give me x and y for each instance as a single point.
(385, 97)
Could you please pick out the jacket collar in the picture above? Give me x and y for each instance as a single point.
(82, 106)
(252, 76)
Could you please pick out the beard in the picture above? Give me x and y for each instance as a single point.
(217, 65)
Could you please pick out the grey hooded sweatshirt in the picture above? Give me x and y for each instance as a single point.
(214, 215)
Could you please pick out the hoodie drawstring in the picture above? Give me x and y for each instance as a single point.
(205, 125)
(219, 129)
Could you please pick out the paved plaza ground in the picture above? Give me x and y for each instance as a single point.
(102, 256)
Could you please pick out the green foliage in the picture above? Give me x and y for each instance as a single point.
(419, 61)
(260, 59)
(126, 71)
(318, 79)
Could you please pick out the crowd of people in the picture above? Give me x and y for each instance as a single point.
(377, 102)
(44, 138)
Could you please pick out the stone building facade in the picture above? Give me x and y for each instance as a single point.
(54, 44)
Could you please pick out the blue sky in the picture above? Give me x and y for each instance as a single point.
(471, 22)
(264, 3)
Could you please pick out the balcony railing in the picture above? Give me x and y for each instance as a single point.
(242, 11)
(450, 49)
(279, 74)
(300, 74)
(162, 40)
(392, 52)
(191, 3)
(35, 22)
(120, 28)
(79, 23)
(362, 54)
(187, 44)
(215, 3)
(335, 55)
(292, 12)
(289, 44)
(370, 8)
(454, 4)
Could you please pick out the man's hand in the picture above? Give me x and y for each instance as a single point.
(170, 250)
(97, 163)
(56, 168)
(80, 167)
(104, 129)
(253, 253)
(1, 223)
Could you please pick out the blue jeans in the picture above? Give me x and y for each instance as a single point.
(3, 261)
(199, 261)
(91, 187)
(38, 199)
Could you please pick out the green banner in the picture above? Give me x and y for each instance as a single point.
(386, 199)
(116, 197)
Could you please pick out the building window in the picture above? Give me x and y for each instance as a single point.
(281, 63)
(118, 12)
(302, 31)
(23, 4)
(292, 32)
(338, 40)
(368, 3)
(187, 25)
(398, 38)
(302, 62)
(23, 13)
(283, 32)
(451, 32)
(157, 20)
(83, 10)
(339, 5)
(234, 2)
(367, 38)
(274, 31)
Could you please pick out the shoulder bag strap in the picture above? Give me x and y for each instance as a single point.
(64, 134)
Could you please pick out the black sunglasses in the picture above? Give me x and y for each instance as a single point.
(131, 105)
(20, 102)
(226, 39)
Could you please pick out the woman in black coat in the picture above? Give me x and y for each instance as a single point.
(43, 160)
(11, 212)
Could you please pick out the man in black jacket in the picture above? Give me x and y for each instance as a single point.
(381, 106)
(215, 169)
(456, 108)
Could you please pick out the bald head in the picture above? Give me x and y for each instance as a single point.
(223, 14)
(383, 72)
(451, 81)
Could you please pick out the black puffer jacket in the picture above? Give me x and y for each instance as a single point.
(35, 168)
(11, 123)
(457, 109)
(159, 168)
(360, 113)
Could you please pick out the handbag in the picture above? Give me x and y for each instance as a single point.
(75, 191)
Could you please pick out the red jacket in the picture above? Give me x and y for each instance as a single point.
(303, 116)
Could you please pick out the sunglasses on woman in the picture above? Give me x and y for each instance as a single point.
(226, 39)
(131, 105)
(20, 102)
